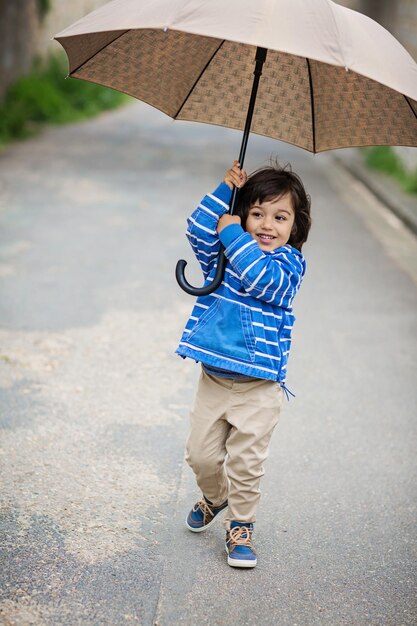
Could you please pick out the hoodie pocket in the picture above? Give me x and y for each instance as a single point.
(226, 329)
(204, 318)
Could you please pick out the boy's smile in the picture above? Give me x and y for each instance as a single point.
(270, 223)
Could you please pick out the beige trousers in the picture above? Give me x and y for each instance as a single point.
(232, 422)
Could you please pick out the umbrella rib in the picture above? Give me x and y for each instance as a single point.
(409, 104)
(196, 81)
(98, 51)
(313, 118)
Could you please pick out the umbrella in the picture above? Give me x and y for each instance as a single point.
(331, 77)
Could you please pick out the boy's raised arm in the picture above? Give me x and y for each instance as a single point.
(202, 226)
(202, 231)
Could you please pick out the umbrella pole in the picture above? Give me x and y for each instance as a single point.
(221, 263)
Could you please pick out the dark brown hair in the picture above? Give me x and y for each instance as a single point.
(273, 182)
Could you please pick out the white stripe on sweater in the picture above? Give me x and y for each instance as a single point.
(249, 243)
(209, 245)
(250, 266)
(265, 327)
(229, 271)
(207, 254)
(268, 356)
(204, 208)
(270, 343)
(206, 263)
(239, 293)
(257, 279)
(226, 206)
(279, 286)
(216, 295)
(286, 291)
(198, 225)
(255, 308)
(261, 295)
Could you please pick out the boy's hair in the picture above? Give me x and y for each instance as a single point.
(269, 183)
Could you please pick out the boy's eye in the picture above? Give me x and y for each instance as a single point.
(280, 218)
(256, 214)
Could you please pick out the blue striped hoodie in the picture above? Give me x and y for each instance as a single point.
(245, 325)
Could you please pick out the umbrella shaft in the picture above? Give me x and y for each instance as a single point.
(259, 61)
(221, 262)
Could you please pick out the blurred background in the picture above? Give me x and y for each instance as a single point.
(94, 403)
(32, 92)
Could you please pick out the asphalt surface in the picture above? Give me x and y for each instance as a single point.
(94, 403)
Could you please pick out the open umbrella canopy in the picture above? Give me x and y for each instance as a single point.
(332, 78)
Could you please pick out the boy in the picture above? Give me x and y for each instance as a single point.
(241, 334)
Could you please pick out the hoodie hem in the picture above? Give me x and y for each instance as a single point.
(231, 365)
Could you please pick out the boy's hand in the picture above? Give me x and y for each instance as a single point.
(226, 220)
(235, 177)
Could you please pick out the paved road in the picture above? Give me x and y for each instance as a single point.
(94, 404)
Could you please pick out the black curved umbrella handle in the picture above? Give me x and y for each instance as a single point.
(221, 263)
(212, 285)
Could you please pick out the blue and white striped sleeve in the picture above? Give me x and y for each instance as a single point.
(274, 278)
(202, 226)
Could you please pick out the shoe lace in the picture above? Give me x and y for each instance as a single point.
(205, 509)
(241, 536)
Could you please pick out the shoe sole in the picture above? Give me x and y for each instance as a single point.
(239, 563)
(200, 530)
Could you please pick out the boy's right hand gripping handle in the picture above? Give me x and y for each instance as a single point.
(212, 285)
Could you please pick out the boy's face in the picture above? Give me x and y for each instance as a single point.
(270, 222)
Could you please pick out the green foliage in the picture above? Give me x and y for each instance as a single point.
(384, 159)
(43, 7)
(44, 96)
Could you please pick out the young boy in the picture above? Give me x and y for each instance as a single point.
(241, 334)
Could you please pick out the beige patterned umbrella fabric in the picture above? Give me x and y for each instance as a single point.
(332, 78)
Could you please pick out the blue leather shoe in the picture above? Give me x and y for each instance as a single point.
(202, 515)
(239, 546)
